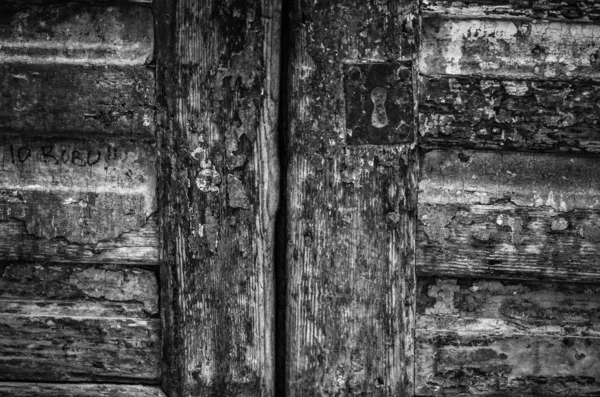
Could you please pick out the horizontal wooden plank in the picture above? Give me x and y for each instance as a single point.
(561, 183)
(77, 33)
(77, 99)
(75, 290)
(486, 337)
(510, 48)
(510, 114)
(63, 322)
(451, 364)
(67, 323)
(508, 307)
(515, 215)
(507, 241)
(23, 389)
(137, 247)
(85, 191)
(585, 10)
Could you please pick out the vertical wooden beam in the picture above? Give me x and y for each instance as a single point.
(351, 199)
(218, 83)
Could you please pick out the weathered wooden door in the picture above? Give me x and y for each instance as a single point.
(281, 173)
(313, 107)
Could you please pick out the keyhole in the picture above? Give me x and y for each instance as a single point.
(379, 118)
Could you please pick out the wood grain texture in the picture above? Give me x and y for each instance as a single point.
(76, 34)
(350, 251)
(509, 114)
(510, 48)
(583, 10)
(513, 215)
(482, 364)
(218, 76)
(561, 183)
(137, 247)
(82, 190)
(22, 389)
(77, 99)
(481, 337)
(74, 323)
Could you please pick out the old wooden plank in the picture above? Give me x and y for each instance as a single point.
(511, 215)
(350, 247)
(136, 247)
(450, 364)
(486, 337)
(24, 389)
(85, 191)
(76, 33)
(584, 10)
(218, 74)
(503, 307)
(77, 99)
(510, 48)
(507, 241)
(75, 290)
(561, 183)
(510, 114)
(66, 323)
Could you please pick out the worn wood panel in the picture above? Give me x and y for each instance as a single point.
(513, 215)
(77, 99)
(510, 48)
(76, 34)
(584, 10)
(503, 307)
(350, 250)
(451, 364)
(218, 72)
(84, 191)
(136, 247)
(510, 114)
(23, 389)
(561, 183)
(508, 241)
(485, 337)
(74, 323)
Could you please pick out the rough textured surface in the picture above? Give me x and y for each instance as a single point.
(22, 389)
(484, 364)
(76, 33)
(82, 190)
(77, 99)
(350, 252)
(484, 337)
(218, 76)
(137, 247)
(547, 50)
(511, 215)
(560, 183)
(510, 114)
(65, 323)
(560, 10)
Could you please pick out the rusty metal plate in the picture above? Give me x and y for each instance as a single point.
(379, 103)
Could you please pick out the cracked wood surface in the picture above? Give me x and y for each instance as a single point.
(559, 10)
(481, 337)
(510, 48)
(77, 99)
(84, 191)
(510, 114)
(78, 323)
(350, 232)
(22, 389)
(513, 215)
(76, 34)
(218, 77)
